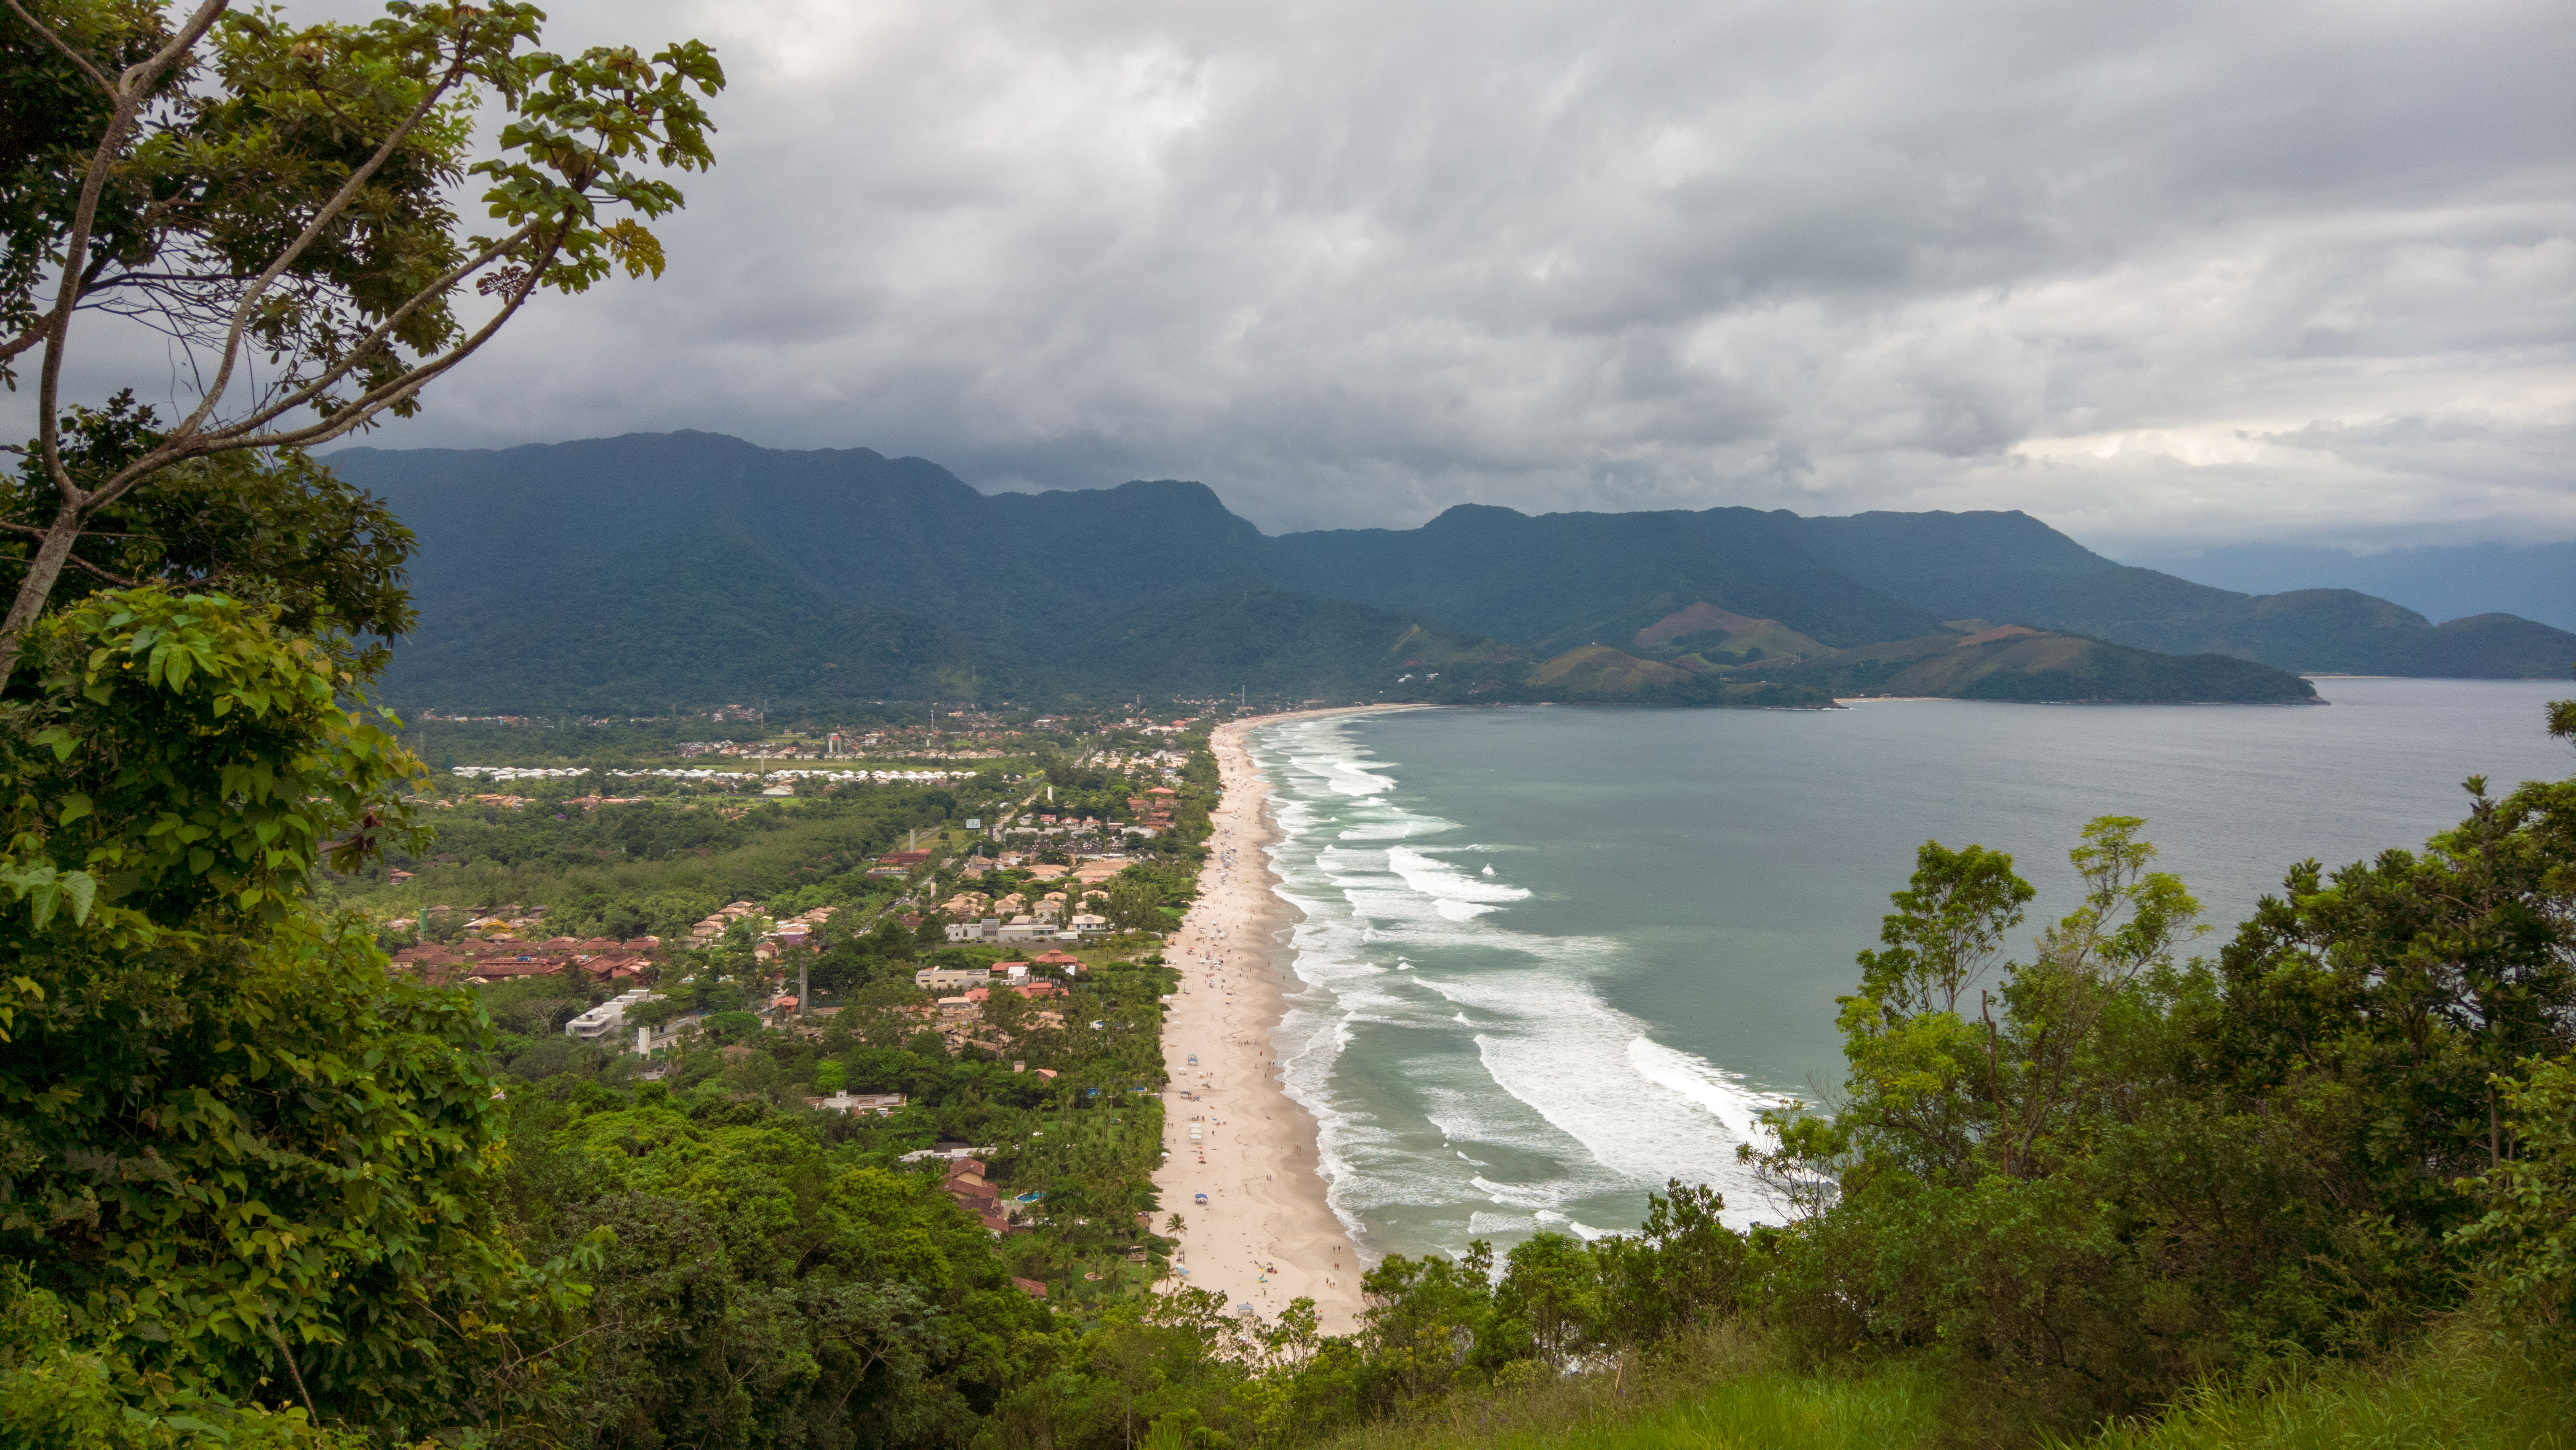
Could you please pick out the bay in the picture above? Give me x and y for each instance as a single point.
(1551, 957)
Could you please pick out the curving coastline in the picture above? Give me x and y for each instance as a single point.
(1266, 1235)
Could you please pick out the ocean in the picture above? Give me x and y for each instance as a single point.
(1551, 957)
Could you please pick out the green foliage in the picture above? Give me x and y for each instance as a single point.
(262, 528)
(2124, 1171)
(2376, 1017)
(1135, 903)
(2460, 1389)
(1903, 1032)
(59, 1393)
(286, 118)
(52, 108)
(1682, 1270)
(632, 870)
(185, 756)
(1547, 1295)
(2527, 1236)
(234, 1151)
(763, 1288)
(254, 1186)
(248, 184)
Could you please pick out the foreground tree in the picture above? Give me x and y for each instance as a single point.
(234, 1155)
(2114, 1171)
(246, 1179)
(281, 203)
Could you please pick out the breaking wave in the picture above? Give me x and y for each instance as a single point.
(1467, 1078)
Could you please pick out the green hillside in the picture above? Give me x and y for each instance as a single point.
(852, 524)
(1704, 635)
(1268, 642)
(706, 621)
(2013, 662)
(2011, 567)
(662, 571)
(1558, 581)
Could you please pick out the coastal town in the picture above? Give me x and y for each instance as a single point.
(1063, 922)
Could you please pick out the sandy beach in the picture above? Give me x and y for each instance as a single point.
(1265, 1236)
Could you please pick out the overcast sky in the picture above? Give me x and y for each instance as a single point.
(2161, 274)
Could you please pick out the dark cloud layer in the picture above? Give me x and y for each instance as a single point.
(2161, 273)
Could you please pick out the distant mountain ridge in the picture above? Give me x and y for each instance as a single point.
(665, 570)
(2438, 581)
(2009, 566)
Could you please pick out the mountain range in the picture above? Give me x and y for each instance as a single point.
(2441, 581)
(670, 571)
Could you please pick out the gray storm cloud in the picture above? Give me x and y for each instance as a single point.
(2159, 273)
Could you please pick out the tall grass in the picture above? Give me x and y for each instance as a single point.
(2462, 1388)
(1720, 1390)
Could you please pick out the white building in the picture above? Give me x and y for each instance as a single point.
(934, 978)
(607, 1017)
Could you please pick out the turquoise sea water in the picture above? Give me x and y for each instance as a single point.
(1553, 956)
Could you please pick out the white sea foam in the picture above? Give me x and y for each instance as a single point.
(1722, 1093)
(1437, 879)
(1465, 1109)
(1394, 824)
(1345, 777)
(1394, 936)
(1565, 1054)
(1582, 1230)
(1526, 1195)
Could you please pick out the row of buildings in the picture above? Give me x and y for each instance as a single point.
(1028, 928)
(801, 930)
(482, 962)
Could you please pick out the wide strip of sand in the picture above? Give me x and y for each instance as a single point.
(1265, 1236)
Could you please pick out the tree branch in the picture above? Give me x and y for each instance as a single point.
(117, 579)
(33, 531)
(58, 43)
(346, 420)
(357, 352)
(322, 217)
(130, 88)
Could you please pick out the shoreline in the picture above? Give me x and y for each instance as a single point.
(1267, 1234)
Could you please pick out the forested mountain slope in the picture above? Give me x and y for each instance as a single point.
(1558, 581)
(2438, 581)
(656, 570)
(2009, 567)
(892, 533)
